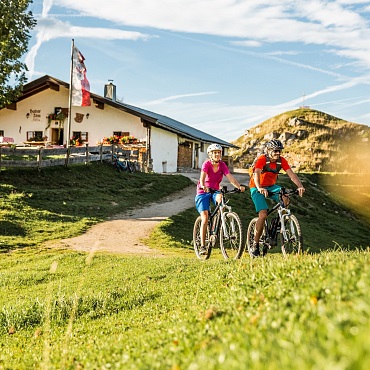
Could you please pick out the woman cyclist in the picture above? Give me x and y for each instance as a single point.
(212, 172)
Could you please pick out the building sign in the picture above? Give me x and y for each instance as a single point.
(35, 114)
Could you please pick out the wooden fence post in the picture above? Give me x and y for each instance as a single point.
(67, 155)
(87, 154)
(39, 159)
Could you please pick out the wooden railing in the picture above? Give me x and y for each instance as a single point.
(45, 157)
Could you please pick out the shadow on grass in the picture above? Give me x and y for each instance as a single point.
(8, 228)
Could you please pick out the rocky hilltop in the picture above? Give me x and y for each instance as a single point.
(313, 141)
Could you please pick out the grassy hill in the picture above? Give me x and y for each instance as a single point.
(313, 140)
(62, 309)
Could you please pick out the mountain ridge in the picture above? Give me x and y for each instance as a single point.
(313, 141)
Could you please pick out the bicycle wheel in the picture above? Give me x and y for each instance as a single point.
(122, 166)
(231, 243)
(250, 237)
(197, 240)
(250, 234)
(293, 242)
(131, 166)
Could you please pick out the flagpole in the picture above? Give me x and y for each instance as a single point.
(70, 99)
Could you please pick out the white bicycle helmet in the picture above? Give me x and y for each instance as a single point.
(214, 147)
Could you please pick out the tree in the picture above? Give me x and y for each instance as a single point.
(15, 25)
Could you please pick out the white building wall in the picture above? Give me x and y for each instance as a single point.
(202, 156)
(100, 123)
(104, 122)
(164, 146)
(15, 123)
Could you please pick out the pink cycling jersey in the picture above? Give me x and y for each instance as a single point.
(213, 179)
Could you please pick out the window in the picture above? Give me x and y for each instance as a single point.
(84, 136)
(120, 133)
(1, 132)
(35, 136)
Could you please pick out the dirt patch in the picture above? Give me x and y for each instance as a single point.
(124, 233)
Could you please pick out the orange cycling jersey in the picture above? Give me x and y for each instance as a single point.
(268, 178)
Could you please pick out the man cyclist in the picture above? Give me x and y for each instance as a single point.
(212, 172)
(263, 180)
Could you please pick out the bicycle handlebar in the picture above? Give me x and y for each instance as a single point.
(224, 190)
(283, 191)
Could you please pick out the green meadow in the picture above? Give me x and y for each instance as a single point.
(61, 309)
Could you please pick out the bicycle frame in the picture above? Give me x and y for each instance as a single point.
(284, 213)
(219, 209)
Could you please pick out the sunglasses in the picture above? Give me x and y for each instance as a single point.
(277, 151)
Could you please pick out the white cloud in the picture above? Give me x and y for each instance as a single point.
(47, 4)
(52, 28)
(337, 23)
(247, 43)
(176, 97)
(49, 28)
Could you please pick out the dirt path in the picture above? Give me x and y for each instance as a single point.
(123, 233)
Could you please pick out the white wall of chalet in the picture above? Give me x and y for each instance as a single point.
(15, 124)
(164, 146)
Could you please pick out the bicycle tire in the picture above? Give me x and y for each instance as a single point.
(251, 231)
(131, 167)
(294, 244)
(197, 240)
(233, 247)
(250, 237)
(122, 166)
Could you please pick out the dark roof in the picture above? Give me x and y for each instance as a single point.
(158, 120)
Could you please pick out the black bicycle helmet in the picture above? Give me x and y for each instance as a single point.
(275, 145)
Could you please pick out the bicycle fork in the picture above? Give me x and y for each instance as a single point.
(284, 215)
(224, 212)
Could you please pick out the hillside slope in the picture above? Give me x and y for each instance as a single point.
(313, 140)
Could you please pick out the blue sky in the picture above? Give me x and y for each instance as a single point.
(221, 66)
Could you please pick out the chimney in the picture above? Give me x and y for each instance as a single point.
(110, 91)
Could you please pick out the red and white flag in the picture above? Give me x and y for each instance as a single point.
(80, 84)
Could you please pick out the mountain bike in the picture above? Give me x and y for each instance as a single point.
(224, 226)
(123, 165)
(284, 223)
